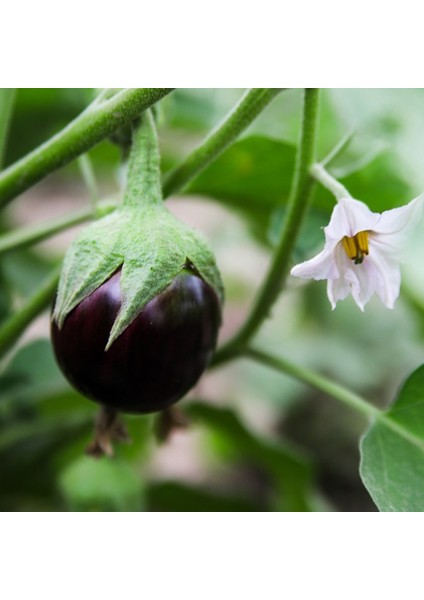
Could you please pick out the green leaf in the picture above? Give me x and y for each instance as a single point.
(104, 484)
(32, 373)
(253, 177)
(392, 451)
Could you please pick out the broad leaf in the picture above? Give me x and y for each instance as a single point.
(253, 177)
(392, 464)
(108, 485)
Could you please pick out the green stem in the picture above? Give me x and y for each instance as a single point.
(250, 106)
(87, 172)
(97, 122)
(338, 148)
(300, 197)
(12, 329)
(328, 181)
(316, 381)
(21, 238)
(336, 391)
(7, 99)
(143, 179)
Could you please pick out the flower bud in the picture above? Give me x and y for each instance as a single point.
(156, 359)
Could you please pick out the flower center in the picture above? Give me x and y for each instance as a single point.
(356, 247)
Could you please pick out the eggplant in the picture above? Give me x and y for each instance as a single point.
(156, 360)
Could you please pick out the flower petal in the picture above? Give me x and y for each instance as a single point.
(348, 218)
(386, 272)
(395, 227)
(358, 280)
(322, 266)
(400, 219)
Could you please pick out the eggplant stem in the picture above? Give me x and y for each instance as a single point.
(168, 421)
(108, 428)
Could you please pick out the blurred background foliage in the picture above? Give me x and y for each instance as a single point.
(256, 440)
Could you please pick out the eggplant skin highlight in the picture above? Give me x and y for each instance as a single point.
(156, 360)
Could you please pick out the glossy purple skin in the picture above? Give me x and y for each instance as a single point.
(155, 361)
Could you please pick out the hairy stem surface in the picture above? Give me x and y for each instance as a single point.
(98, 121)
(7, 99)
(298, 204)
(12, 329)
(250, 106)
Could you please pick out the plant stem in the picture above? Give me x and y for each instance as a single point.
(315, 380)
(11, 329)
(97, 122)
(338, 148)
(7, 99)
(249, 107)
(336, 391)
(21, 238)
(87, 172)
(298, 204)
(328, 181)
(143, 179)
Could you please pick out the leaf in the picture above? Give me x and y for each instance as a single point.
(392, 451)
(105, 484)
(253, 177)
(32, 373)
(291, 473)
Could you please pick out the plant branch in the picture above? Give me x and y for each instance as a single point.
(315, 380)
(250, 106)
(299, 200)
(338, 148)
(13, 327)
(89, 177)
(336, 391)
(143, 187)
(26, 236)
(7, 100)
(98, 121)
(338, 190)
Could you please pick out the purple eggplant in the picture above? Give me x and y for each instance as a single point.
(159, 356)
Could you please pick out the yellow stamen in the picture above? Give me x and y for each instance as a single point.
(362, 241)
(356, 247)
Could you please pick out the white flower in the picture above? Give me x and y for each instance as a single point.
(362, 252)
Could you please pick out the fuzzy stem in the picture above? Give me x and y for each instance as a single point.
(12, 329)
(26, 236)
(328, 181)
(315, 380)
(89, 177)
(250, 106)
(97, 122)
(7, 99)
(144, 180)
(338, 148)
(336, 391)
(300, 197)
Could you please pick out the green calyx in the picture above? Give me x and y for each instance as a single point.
(141, 237)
